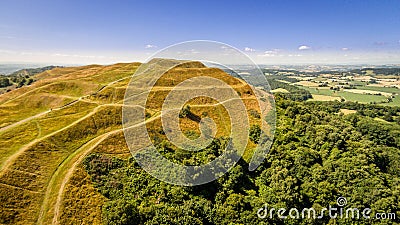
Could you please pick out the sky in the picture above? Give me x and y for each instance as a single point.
(270, 32)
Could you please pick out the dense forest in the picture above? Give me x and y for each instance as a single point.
(318, 155)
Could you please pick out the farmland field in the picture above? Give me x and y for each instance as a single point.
(324, 98)
(354, 97)
(367, 92)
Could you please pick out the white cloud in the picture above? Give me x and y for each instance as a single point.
(270, 53)
(247, 49)
(304, 47)
(345, 49)
(150, 46)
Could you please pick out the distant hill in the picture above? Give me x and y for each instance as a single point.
(379, 71)
(21, 78)
(7, 69)
(32, 71)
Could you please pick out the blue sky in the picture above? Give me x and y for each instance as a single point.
(280, 31)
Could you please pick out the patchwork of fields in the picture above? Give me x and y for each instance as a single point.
(362, 89)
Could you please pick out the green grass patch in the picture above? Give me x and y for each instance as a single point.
(355, 97)
(348, 96)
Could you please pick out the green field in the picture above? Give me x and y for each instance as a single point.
(355, 97)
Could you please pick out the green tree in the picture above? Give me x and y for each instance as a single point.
(21, 82)
(185, 112)
(254, 133)
(4, 82)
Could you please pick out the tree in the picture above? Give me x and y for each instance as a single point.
(21, 82)
(120, 212)
(255, 133)
(30, 81)
(4, 82)
(185, 112)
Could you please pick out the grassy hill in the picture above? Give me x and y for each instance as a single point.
(49, 127)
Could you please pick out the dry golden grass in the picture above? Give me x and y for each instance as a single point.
(82, 202)
(109, 95)
(22, 108)
(324, 98)
(112, 73)
(115, 144)
(307, 83)
(177, 75)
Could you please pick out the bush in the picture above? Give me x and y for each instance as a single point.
(255, 133)
(4, 82)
